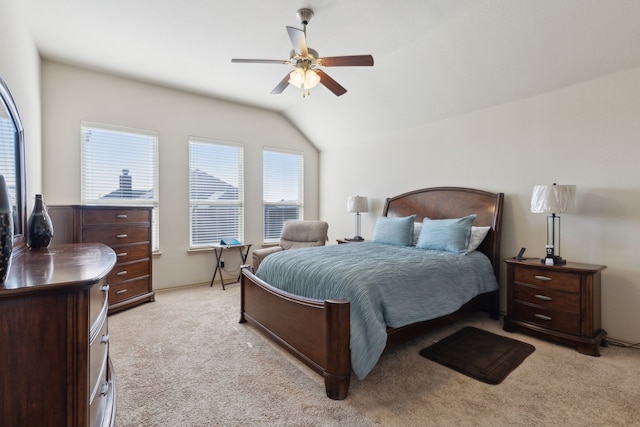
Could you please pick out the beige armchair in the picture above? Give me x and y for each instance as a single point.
(295, 234)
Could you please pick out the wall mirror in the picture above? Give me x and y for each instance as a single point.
(12, 159)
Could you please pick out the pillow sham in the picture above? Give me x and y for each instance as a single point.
(394, 230)
(477, 236)
(451, 235)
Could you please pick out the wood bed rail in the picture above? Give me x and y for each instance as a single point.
(316, 332)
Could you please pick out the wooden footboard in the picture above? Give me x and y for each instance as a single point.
(316, 332)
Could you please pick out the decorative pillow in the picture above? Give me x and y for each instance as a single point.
(477, 236)
(451, 235)
(394, 230)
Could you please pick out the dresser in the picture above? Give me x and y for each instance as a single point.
(54, 353)
(127, 230)
(561, 303)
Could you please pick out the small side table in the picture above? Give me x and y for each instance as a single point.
(243, 248)
(557, 302)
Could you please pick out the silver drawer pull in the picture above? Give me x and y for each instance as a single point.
(104, 288)
(543, 297)
(122, 216)
(542, 316)
(104, 339)
(121, 254)
(104, 389)
(545, 278)
(121, 291)
(121, 236)
(121, 273)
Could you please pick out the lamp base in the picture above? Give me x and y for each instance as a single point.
(356, 238)
(557, 260)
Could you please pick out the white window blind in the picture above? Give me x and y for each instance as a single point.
(216, 191)
(120, 166)
(282, 192)
(8, 153)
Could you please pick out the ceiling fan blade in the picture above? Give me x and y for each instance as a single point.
(347, 61)
(281, 86)
(298, 40)
(261, 61)
(331, 84)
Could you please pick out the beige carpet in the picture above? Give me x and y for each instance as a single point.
(184, 360)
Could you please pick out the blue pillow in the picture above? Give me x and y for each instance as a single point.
(394, 230)
(451, 235)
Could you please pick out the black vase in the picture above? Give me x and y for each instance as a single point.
(39, 226)
(6, 229)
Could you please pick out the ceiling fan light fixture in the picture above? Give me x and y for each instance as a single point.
(311, 79)
(297, 77)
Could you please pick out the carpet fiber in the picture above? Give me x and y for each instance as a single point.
(479, 354)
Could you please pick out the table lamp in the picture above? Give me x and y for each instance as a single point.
(553, 199)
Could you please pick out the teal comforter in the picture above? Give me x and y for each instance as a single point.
(386, 286)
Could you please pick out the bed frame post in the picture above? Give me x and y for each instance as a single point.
(337, 374)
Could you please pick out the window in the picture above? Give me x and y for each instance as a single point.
(216, 191)
(120, 166)
(282, 190)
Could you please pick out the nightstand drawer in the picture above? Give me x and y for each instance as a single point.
(549, 319)
(549, 279)
(547, 298)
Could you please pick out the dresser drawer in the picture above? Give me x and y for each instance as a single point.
(131, 252)
(125, 290)
(98, 405)
(97, 300)
(547, 298)
(115, 236)
(98, 353)
(548, 279)
(114, 216)
(123, 272)
(550, 319)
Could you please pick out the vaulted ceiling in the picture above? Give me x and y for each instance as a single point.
(433, 58)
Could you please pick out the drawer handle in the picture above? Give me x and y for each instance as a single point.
(104, 339)
(543, 317)
(104, 389)
(122, 216)
(545, 278)
(121, 254)
(543, 297)
(121, 236)
(104, 288)
(121, 291)
(121, 273)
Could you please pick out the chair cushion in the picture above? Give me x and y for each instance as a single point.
(302, 234)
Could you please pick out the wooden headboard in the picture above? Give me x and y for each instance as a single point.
(455, 202)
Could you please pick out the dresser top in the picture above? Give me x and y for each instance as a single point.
(59, 266)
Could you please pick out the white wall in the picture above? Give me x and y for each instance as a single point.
(71, 94)
(20, 68)
(587, 135)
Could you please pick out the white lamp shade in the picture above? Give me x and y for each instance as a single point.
(357, 204)
(554, 199)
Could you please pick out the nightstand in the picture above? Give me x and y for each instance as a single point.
(560, 303)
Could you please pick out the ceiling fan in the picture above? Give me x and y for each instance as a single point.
(307, 73)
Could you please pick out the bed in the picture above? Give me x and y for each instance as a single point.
(318, 331)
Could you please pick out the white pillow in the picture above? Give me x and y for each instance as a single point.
(477, 236)
(417, 228)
